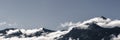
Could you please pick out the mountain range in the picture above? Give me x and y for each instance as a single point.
(98, 28)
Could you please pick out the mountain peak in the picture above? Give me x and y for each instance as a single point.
(103, 17)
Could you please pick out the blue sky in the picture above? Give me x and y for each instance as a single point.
(51, 13)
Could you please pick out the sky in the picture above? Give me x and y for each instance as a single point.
(51, 13)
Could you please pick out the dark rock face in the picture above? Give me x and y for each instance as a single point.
(94, 32)
(5, 30)
(103, 17)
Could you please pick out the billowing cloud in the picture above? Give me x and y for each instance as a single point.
(105, 23)
(116, 38)
(50, 36)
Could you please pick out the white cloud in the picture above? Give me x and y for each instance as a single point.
(30, 31)
(12, 31)
(50, 36)
(116, 38)
(105, 23)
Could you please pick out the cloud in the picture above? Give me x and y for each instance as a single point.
(71, 24)
(116, 38)
(30, 31)
(50, 36)
(12, 31)
(105, 23)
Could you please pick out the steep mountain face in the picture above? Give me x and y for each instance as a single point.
(98, 28)
(94, 32)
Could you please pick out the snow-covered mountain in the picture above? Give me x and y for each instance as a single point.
(14, 32)
(98, 28)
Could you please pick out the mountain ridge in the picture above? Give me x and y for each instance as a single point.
(98, 28)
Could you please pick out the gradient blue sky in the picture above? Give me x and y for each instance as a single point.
(51, 13)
